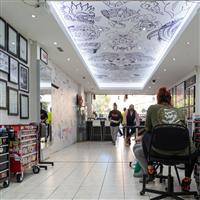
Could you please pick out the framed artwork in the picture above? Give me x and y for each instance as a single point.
(23, 49)
(23, 78)
(12, 101)
(13, 71)
(2, 34)
(24, 106)
(3, 94)
(43, 56)
(4, 62)
(12, 41)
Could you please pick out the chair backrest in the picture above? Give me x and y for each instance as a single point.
(96, 123)
(170, 137)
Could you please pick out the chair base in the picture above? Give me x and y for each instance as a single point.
(169, 192)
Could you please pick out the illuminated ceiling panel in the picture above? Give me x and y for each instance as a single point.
(122, 42)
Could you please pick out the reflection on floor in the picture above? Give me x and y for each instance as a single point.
(88, 170)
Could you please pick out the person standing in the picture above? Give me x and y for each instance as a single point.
(115, 118)
(123, 121)
(131, 119)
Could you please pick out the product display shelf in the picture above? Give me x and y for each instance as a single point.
(196, 139)
(24, 150)
(4, 158)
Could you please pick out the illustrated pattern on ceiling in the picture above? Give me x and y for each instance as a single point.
(121, 41)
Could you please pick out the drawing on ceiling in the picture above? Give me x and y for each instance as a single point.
(175, 8)
(122, 58)
(115, 4)
(152, 6)
(80, 12)
(90, 47)
(122, 41)
(122, 38)
(166, 32)
(86, 32)
(119, 16)
(166, 7)
(146, 23)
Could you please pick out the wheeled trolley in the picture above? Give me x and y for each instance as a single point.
(24, 150)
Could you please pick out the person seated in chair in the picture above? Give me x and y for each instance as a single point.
(164, 113)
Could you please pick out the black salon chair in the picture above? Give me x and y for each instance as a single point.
(169, 137)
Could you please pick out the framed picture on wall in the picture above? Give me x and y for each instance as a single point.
(2, 34)
(3, 94)
(4, 62)
(13, 71)
(43, 56)
(23, 49)
(24, 106)
(23, 78)
(12, 101)
(12, 41)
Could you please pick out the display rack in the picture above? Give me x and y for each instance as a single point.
(4, 158)
(196, 139)
(24, 150)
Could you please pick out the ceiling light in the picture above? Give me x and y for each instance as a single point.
(68, 59)
(13, 43)
(139, 47)
(164, 70)
(174, 59)
(144, 29)
(55, 43)
(33, 16)
(188, 43)
(149, 87)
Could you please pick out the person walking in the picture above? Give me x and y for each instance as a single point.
(115, 118)
(131, 119)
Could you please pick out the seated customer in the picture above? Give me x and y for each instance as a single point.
(164, 113)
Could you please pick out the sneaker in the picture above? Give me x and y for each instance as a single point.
(185, 185)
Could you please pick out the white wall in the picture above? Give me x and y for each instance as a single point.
(64, 120)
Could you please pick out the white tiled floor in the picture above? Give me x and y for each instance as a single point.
(88, 170)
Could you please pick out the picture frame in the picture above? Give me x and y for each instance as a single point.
(43, 56)
(3, 94)
(12, 41)
(3, 34)
(23, 78)
(4, 62)
(23, 49)
(13, 70)
(24, 106)
(12, 101)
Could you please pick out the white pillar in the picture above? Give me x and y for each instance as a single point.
(34, 99)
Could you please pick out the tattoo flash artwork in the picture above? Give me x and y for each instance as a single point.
(86, 32)
(119, 16)
(121, 40)
(115, 4)
(166, 31)
(78, 11)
